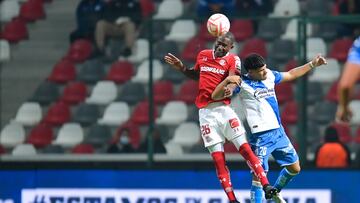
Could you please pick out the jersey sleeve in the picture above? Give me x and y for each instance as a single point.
(278, 76)
(234, 61)
(236, 90)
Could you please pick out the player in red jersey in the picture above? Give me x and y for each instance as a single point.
(217, 119)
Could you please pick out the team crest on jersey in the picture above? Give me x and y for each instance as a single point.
(222, 62)
(234, 122)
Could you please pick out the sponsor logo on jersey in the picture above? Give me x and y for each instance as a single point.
(213, 70)
(234, 123)
(264, 93)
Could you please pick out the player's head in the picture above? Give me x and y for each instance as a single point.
(224, 44)
(255, 65)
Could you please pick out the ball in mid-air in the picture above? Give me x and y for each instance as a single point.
(218, 24)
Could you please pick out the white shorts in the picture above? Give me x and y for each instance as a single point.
(217, 122)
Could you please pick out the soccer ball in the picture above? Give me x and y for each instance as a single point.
(218, 24)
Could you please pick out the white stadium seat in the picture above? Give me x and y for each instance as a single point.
(115, 114)
(182, 31)
(142, 74)
(12, 134)
(104, 92)
(29, 114)
(24, 150)
(173, 113)
(70, 134)
(169, 9)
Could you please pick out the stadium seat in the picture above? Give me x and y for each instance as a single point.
(74, 93)
(332, 94)
(164, 133)
(142, 74)
(79, 51)
(292, 63)
(140, 50)
(186, 134)
(355, 106)
(40, 136)
(314, 92)
(83, 149)
(58, 114)
(344, 131)
(2, 150)
(15, 31)
(104, 92)
(46, 93)
(8, 10)
(163, 47)
(69, 135)
(327, 31)
(140, 115)
(5, 52)
(99, 135)
(282, 50)
(159, 32)
(289, 113)
(86, 114)
(182, 31)
(169, 9)
(327, 74)
(173, 113)
(63, 72)
(29, 114)
(134, 134)
(269, 29)
(173, 149)
(242, 29)
(192, 47)
(115, 114)
(163, 92)
(204, 33)
(132, 93)
(24, 150)
(317, 8)
(188, 91)
(291, 32)
(284, 8)
(91, 71)
(120, 72)
(284, 92)
(193, 113)
(324, 112)
(147, 8)
(357, 136)
(315, 46)
(32, 11)
(340, 48)
(12, 134)
(173, 75)
(254, 45)
(313, 134)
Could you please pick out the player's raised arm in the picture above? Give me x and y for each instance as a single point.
(302, 70)
(178, 65)
(226, 87)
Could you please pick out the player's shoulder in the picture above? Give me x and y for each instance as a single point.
(206, 52)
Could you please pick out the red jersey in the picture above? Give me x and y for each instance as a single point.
(212, 72)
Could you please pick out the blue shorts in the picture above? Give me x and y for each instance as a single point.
(276, 143)
(354, 52)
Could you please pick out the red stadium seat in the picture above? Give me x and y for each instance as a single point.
(120, 72)
(292, 63)
(254, 45)
(64, 71)
(32, 10)
(147, 7)
(79, 51)
(284, 92)
(188, 91)
(163, 92)
(74, 93)
(192, 47)
(242, 29)
(332, 93)
(2, 150)
(289, 113)
(340, 48)
(134, 134)
(15, 31)
(357, 136)
(58, 114)
(344, 131)
(83, 149)
(140, 114)
(41, 135)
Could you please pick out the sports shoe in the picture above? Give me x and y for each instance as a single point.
(270, 191)
(278, 198)
(234, 201)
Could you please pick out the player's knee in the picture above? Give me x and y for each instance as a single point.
(294, 169)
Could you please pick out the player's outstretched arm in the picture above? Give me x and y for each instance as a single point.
(178, 65)
(302, 70)
(226, 87)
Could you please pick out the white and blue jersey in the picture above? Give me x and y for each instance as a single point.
(256, 104)
(354, 52)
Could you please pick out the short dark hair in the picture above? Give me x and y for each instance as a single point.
(253, 61)
(230, 36)
(331, 134)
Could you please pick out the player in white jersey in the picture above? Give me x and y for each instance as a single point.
(259, 107)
